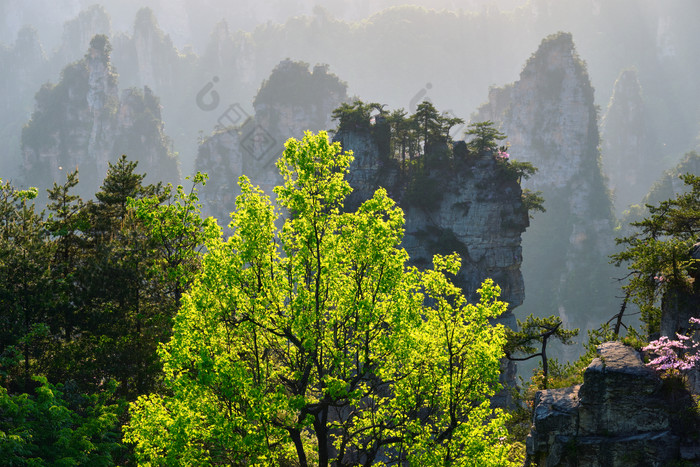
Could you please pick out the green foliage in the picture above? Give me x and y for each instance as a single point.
(177, 231)
(355, 116)
(533, 201)
(25, 294)
(316, 344)
(658, 254)
(517, 170)
(425, 133)
(433, 131)
(126, 312)
(86, 296)
(485, 137)
(536, 332)
(53, 427)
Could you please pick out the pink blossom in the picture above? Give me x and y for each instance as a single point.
(677, 355)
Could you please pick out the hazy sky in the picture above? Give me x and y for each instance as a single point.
(177, 16)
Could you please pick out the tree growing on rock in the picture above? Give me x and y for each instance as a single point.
(534, 332)
(661, 254)
(315, 344)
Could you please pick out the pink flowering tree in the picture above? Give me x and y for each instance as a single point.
(675, 357)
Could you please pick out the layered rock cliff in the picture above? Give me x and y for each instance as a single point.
(622, 415)
(550, 118)
(479, 215)
(82, 122)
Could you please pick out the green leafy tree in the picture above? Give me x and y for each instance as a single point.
(66, 223)
(658, 254)
(25, 292)
(401, 135)
(53, 427)
(434, 130)
(178, 232)
(125, 314)
(355, 116)
(315, 344)
(485, 137)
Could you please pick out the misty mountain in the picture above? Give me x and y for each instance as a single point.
(399, 55)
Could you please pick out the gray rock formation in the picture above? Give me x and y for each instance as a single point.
(622, 415)
(77, 34)
(294, 99)
(629, 153)
(549, 116)
(81, 122)
(480, 215)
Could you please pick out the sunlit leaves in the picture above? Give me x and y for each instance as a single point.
(315, 343)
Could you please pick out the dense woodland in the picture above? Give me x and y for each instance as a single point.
(89, 289)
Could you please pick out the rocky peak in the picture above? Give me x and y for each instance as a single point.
(623, 414)
(292, 100)
(79, 31)
(628, 150)
(102, 79)
(28, 45)
(155, 52)
(550, 118)
(549, 114)
(293, 94)
(81, 122)
(479, 214)
(23, 67)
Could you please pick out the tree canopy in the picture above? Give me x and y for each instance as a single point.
(315, 343)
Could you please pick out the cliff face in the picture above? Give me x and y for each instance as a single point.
(479, 215)
(81, 122)
(622, 415)
(550, 118)
(292, 100)
(77, 34)
(627, 147)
